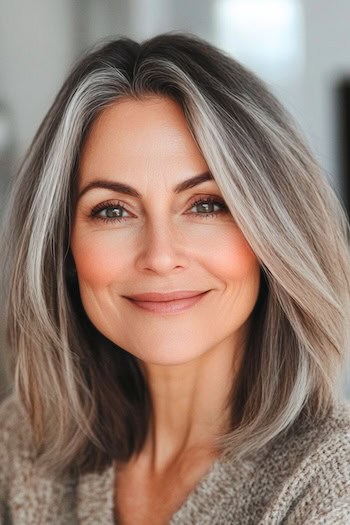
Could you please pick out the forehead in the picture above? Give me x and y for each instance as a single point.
(146, 133)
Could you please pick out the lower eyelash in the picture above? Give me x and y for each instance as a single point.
(105, 205)
(210, 200)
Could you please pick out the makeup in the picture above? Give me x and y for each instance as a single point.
(168, 307)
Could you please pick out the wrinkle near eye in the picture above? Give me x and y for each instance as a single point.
(100, 211)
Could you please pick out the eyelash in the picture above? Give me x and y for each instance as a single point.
(203, 200)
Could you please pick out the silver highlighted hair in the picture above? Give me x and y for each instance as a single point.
(65, 373)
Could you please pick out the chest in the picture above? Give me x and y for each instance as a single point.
(137, 506)
(141, 499)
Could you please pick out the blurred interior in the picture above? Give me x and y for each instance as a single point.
(301, 48)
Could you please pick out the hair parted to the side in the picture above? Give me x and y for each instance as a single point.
(87, 400)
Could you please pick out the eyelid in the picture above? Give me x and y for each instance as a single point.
(192, 201)
(195, 201)
(106, 204)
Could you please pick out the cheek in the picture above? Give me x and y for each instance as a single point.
(97, 260)
(233, 258)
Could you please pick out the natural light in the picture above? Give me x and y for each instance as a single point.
(266, 35)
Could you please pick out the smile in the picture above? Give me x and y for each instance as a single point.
(168, 307)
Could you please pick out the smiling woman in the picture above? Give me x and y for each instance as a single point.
(179, 294)
(159, 241)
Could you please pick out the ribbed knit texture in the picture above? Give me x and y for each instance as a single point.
(302, 478)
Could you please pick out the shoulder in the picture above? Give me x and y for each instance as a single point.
(11, 412)
(313, 462)
(14, 436)
(326, 438)
(14, 424)
(301, 477)
(27, 493)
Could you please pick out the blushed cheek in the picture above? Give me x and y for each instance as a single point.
(97, 262)
(233, 258)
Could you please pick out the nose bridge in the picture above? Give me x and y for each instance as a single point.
(162, 246)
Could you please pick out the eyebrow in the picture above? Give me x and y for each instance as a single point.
(121, 187)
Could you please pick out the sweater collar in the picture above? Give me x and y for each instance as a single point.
(97, 491)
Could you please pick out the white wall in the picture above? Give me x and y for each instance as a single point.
(327, 60)
(36, 43)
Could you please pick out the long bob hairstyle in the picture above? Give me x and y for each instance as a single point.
(87, 400)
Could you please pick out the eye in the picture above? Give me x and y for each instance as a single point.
(114, 211)
(208, 204)
(108, 211)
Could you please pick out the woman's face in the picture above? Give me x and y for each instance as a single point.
(156, 239)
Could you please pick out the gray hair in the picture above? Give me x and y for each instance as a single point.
(67, 375)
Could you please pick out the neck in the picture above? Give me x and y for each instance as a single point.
(190, 405)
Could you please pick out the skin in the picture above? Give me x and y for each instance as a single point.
(164, 244)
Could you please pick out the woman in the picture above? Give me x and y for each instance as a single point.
(178, 308)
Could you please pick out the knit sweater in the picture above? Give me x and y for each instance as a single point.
(303, 477)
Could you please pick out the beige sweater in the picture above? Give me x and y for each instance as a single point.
(302, 479)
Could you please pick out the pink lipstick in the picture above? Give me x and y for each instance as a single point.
(161, 304)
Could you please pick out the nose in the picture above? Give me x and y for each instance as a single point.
(162, 248)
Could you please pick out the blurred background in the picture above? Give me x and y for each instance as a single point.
(301, 48)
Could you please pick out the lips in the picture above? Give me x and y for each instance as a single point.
(163, 297)
(160, 303)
